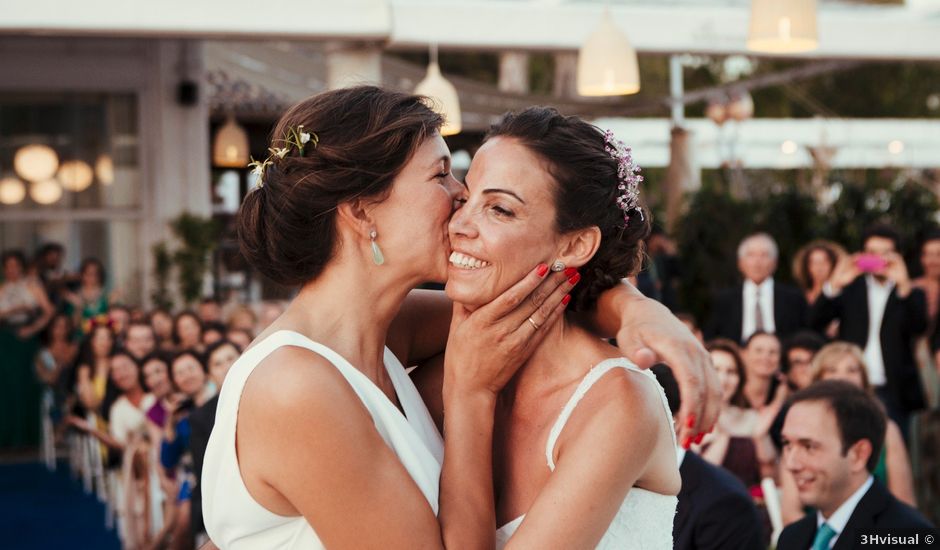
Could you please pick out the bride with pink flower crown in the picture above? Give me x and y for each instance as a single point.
(584, 446)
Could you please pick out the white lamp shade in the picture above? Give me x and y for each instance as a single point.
(75, 175)
(104, 169)
(230, 149)
(444, 96)
(45, 191)
(783, 26)
(35, 162)
(12, 190)
(607, 63)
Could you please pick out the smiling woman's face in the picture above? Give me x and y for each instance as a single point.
(505, 227)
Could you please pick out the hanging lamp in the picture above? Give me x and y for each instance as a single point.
(444, 94)
(607, 62)
(230, 149)
(75, 175)
(104, 169)
(35, 162)
(12, 190)
(783, 26)
(45, 191)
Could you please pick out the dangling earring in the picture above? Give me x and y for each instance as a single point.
(377, 256)
(558, 266)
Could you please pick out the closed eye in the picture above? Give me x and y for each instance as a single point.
(503, 212)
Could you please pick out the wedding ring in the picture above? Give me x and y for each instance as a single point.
(534, 324)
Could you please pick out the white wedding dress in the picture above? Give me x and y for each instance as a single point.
(644, 520)
(234, 520)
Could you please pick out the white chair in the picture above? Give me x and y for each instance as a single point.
(772, 502)
(47, 431)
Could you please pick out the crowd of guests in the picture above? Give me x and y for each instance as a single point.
(132, 394)
(126, 396)
(857, 331)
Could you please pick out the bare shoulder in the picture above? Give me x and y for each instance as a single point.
(634, 390)
(296, 403)
(624, 418)
(293, 380)
(622, 403)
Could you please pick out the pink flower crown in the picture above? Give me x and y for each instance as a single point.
(628, 176)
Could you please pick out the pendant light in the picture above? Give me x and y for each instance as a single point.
(45, 191)
(444, 95)
(35, 162)
(75, 175)
(230, 149)
(607, 62)
(12, 190)
(783, 26)
(104, 169)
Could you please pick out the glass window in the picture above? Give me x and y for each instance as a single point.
(92, 203)
(92, 137)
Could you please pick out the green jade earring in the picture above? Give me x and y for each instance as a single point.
(377, 256)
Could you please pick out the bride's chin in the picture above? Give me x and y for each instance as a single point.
(464, 296)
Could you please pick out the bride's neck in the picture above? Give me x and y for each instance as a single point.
(348, 308)
(564, 356)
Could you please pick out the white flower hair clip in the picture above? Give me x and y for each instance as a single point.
(295, 138)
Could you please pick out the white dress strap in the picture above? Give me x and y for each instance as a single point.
(587, 382)
(415, 410)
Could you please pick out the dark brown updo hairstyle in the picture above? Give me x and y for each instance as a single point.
(585, 194)
(366, 135)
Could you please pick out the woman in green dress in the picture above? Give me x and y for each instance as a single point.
(24, 311)
(90, 301)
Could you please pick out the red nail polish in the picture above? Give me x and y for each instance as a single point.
(574, 279)
(566, 299)
(699, 438)
(542, 269)
(570, 271)
(687, 442)
(690, 421)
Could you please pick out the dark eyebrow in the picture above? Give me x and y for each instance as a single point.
(504, 191)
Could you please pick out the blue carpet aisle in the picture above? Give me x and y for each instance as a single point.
(43, 510)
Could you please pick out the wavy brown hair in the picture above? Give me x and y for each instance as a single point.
(366, 135)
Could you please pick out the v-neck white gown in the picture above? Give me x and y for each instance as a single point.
(234, 520)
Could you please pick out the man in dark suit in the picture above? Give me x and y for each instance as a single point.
(715, 510)
(881, 312)
(759, 303)
(832, 438)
